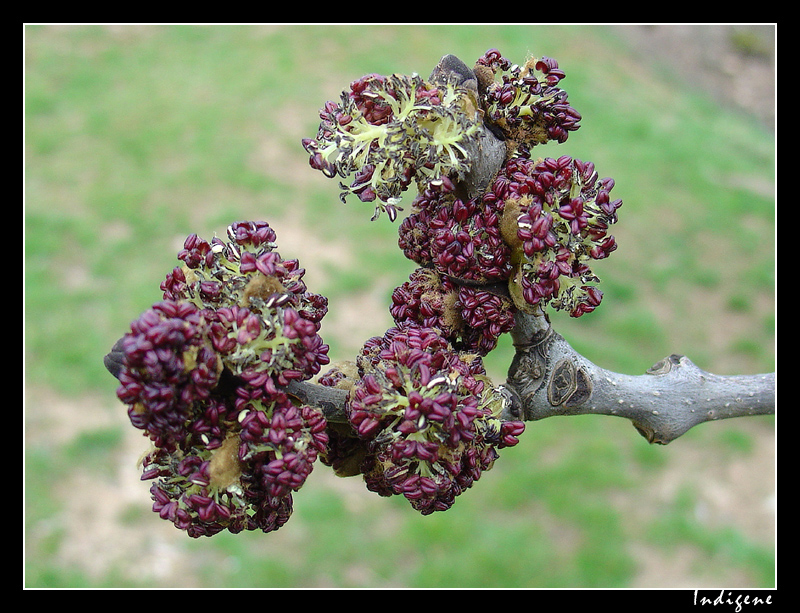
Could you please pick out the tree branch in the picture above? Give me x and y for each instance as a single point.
(548, 377)
(487, 152)
(331, 400)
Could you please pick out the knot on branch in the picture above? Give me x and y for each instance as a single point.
(570, 385)
(662, 367)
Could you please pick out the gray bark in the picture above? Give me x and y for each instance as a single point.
(548, 378)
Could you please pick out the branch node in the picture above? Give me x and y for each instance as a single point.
(662, 367)
(570, 385)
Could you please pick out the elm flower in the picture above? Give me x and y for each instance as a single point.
(246, 271)
(200, 490)
(279, 441)
(556, 216)
(526, 103)
(246, 481)
(203, 372)
(485, 316)
(388, 131)
(264, 322)
(273, 347)
(169, 364)
(458, 238)
(427, 416)
(470, 318)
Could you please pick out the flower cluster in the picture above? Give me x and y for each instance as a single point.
(556, 216)
(387, 132)
(419, 402)
(263, 320)
(460, 250)
(170, 366)
(526, 104)
(537, 243)
(459, 239)
(472, 319)
(426, 418)
(246, 482)
(203, 373)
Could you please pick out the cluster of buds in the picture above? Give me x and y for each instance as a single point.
(526, 103)
(264, 321)
(556, 216)
(170, 367)
(471, 318)
(423, 411)
(535, 228)
(389, 131)
(460, 250)
(246, 482)
(460, 239)
(203, 374)
(426, 417)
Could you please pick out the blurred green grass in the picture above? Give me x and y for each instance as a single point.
(137, 136)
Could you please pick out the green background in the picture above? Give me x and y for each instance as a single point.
(136, 136)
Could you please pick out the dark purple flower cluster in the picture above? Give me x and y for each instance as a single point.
(202, 374)
(170, 366)
(464, 240)
(470, 318)
(526, 103)
(388, 131)
(280, 440)
(536, 227)
(556, 216)
(460, 239)
(460, 250)
(425, 416)
(265, 322)
(245, 482)
(485, 317)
